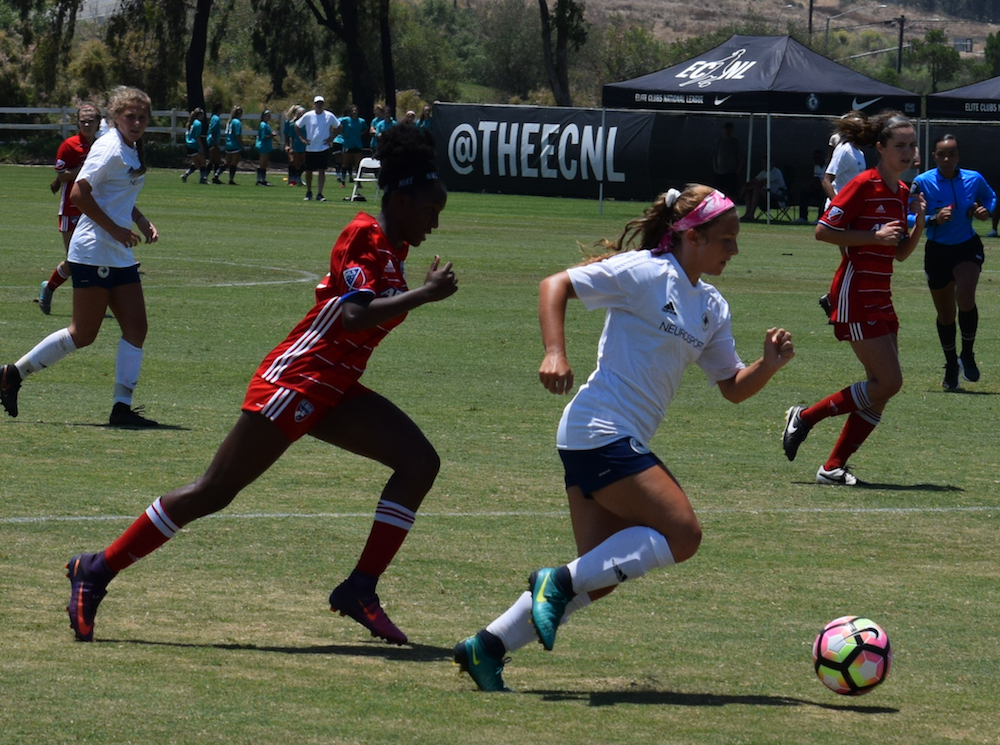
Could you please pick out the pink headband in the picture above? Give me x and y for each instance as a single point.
(708, 209)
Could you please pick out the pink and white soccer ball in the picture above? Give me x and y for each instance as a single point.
(852, 655)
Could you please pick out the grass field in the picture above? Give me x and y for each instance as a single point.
(224, 636)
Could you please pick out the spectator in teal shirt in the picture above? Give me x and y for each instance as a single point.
(352, 128)
(265, 144)
(234, 142)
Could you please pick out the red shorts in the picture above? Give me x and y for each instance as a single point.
(865, 329)
(294, 413)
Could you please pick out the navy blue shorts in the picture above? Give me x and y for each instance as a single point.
(85, 275)
(594, 469)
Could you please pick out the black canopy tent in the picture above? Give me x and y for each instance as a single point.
(972, 113)
(980, 101)
(759, 75)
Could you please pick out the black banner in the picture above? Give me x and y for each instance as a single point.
(544, 151)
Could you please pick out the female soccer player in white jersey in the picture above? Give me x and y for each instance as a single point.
(867, 219)
(104, 270)
(629, 514)
(309, 385)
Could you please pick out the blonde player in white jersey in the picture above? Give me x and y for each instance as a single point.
(104, 270)
(629, 514)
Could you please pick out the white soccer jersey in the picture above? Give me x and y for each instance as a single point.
(846, 162)
(655, 326)
(109, 169)
(318, 128)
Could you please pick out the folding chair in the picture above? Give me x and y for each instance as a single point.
(367, 173)
(781, 200)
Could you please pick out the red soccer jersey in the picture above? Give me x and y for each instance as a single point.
(860, 288)
(71, 154)
(319, 358)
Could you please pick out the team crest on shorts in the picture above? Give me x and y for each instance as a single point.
(303, 410)
(354, 276)
(103, 272)
(638, 446)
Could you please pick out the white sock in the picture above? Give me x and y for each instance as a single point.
(128, 363)
(46, 353)
(514, 627)
(628, 554)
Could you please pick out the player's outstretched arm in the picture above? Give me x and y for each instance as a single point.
(778, 351)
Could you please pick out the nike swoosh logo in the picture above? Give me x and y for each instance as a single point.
(719, 101)
(792, 429)
(475, 658)
(858, 105)
(540, 593)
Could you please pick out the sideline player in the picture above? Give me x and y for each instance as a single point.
(70, 156)
(867, 219)
(628, 512)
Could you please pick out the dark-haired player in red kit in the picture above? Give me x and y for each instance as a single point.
(70, 156)
(310, 385)
(867, 219)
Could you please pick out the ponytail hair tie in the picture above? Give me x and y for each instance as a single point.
(671, 197)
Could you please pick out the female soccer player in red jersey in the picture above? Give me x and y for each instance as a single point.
(309, 385)
(867, 219)
(69, 158)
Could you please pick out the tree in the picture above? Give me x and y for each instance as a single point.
(571, 33)
(942, 61)
(283, 36)
(510, 58)
(431, 49)
(628, 51)
(345, 19)
(992, 54)
(388, 69)
(194, 60)
(146, 40)
(52, 51)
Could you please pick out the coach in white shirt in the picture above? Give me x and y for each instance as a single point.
(316, 129)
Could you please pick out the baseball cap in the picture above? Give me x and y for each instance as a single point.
(319, 99)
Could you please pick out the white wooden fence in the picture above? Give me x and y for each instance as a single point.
(63, 120)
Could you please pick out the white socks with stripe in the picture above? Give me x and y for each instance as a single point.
(514, 627)
(628, 554)
(46, 353)
(128, 363)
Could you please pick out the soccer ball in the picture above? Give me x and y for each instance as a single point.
(852, 655)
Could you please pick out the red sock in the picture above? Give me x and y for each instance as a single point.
(852, 436)
(56, 279)
(391, 526)
(150, 530)
(845, 401)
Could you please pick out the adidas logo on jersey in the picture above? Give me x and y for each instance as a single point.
(390, 268)
(669, 308)
(880, 210)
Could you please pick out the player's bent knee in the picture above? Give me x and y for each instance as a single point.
(686, 544)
